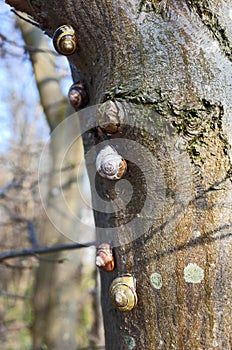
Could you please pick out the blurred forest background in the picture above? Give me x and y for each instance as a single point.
(49, 301)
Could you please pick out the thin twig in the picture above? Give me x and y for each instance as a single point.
(25, 19)
(13, 184)
(20, 267)
(14, 296)
(32, 234)
(101, 347)
(43, 250)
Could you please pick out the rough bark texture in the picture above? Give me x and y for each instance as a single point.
(175, 58)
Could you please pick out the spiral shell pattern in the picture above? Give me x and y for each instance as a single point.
(110, 164)
(78, 95)
(123, 293)
(110, 116)
(65, 40)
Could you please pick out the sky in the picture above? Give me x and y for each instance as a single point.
(18, 88)
(19, 98)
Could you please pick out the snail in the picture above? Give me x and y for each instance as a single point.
(78, 95)
(110, 164)
(65, 40)
(104, 257)
(123, 293)
(110, 116)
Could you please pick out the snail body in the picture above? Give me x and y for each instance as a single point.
(78, 95)
(110, 164)
(65, 40)
(104, 257)
(123, 293)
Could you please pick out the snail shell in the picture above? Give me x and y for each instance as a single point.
(123, 293)
(110, 164)
(104, 257)
(78, 95)
(110, 116)
(65, 40)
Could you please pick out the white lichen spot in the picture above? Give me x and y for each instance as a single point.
(130, 342)
(193, 273)
(197, 234)
(156, 280)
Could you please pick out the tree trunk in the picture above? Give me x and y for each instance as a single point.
(171, 60)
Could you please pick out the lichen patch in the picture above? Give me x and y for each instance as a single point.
(193, 273)
(156, 280)
(130, 342)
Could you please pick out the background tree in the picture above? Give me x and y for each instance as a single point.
(19, 200)
(56, 293)
(22, 135)
(174, 58)
(79, 327)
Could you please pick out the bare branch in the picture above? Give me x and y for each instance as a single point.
(18, 266)
(13, 184)
(32, 234)
(14, 296)
(28, 19)
(43, 250)
(101, 347)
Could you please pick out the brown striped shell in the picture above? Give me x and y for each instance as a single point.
(104, 257)
(78, 95)
(65, 40)
(123, 293)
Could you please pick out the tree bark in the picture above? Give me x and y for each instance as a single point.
(172, 59)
